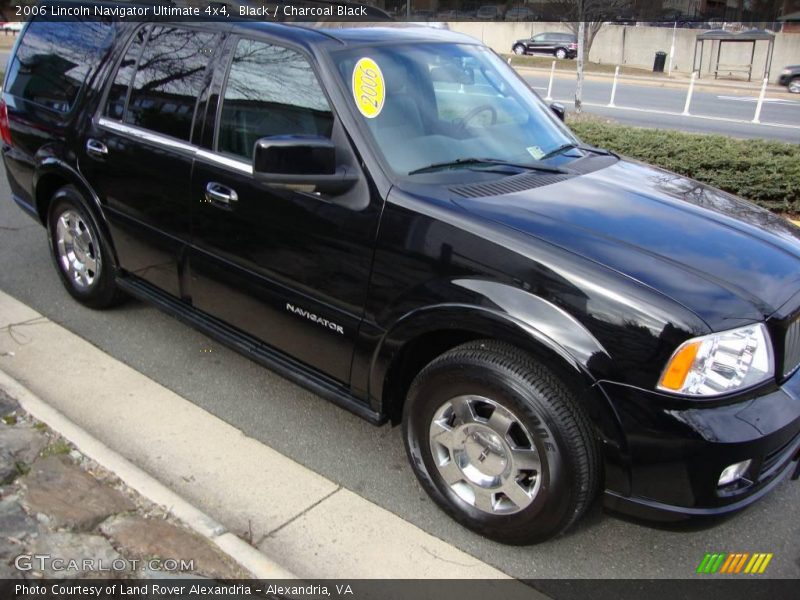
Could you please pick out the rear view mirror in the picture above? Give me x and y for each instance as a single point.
(301, 160)
(559, 110)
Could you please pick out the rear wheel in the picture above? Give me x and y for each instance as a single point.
(794, 85)
(561, 54)
(519, 49)
(500, 443)
(84, 264)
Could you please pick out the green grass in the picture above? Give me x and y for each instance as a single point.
(544, 62)
(767, 173)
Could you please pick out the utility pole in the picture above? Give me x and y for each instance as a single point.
(581, 47)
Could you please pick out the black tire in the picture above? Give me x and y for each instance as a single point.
(101, 291)
(561, 432)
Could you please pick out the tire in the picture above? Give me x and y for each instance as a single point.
(561, 54)
(519, 49)
(534, 481)
(83, 261)
(794, 86)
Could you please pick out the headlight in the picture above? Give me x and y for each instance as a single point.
(720, 363)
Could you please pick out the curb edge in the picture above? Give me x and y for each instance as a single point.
(251, 559)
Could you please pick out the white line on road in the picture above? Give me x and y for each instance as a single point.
(755, 99)
(677, 114)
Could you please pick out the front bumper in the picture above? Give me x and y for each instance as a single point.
(785, 79)
(674, 450)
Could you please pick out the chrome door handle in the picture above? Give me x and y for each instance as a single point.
(220, 195)
(96, 148)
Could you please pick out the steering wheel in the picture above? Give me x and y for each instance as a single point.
(474, 112)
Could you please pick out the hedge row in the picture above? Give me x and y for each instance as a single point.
(767, 173)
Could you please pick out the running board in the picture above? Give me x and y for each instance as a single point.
(280, 363)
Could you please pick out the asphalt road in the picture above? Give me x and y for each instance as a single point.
(368, 460)
(778, 109)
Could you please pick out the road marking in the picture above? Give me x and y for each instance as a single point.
(677, 114)
(752, 99)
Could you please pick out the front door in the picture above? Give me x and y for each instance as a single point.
(287, 266)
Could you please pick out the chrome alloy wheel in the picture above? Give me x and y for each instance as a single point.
(485, 454)
(78, 252)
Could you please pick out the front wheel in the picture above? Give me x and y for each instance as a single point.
(500, 443)
(561, 54)
(83, 262)
(519, 49)
(794, 85)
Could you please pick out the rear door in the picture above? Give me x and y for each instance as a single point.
(285, 265)
(138, 152)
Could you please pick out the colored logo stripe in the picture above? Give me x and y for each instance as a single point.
(736, 562)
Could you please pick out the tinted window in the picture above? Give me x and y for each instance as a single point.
(270, 91)
(118, 93)
(54, 61)
(169, 79)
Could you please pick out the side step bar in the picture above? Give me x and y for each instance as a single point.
(283, 365)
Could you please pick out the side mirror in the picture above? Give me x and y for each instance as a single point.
(559, 110)
(301, 160)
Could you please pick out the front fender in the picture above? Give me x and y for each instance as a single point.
(499, 311)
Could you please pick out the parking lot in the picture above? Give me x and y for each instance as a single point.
(367, 460)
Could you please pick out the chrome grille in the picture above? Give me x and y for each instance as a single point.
(791, 349)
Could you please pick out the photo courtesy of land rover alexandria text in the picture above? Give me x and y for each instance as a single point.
(392, 218)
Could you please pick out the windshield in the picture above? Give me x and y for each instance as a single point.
(437, 104)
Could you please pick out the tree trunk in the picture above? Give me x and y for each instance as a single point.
(580, 58)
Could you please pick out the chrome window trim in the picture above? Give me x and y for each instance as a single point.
(172, 144)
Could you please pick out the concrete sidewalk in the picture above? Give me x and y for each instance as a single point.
(308, 524)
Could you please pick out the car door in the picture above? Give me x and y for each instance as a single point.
(137, 153)
(536, 42)
(284, 265)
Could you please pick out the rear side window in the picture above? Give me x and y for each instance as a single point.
(118, 94)
(55, 59)
(162, 80)
(270, 91)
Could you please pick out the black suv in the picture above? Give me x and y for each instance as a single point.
(392, 218)
(560, 45)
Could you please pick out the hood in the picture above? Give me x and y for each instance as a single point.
(722, 257)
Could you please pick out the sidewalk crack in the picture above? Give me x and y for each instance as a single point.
(297, 516)
(9, 329)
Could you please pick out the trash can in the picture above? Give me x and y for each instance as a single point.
(659, 62)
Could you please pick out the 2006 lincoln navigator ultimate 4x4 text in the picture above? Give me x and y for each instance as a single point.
(392, 218)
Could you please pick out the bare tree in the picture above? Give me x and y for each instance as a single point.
(585, 18)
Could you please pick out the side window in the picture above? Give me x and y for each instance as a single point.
(168, 80)
(54, 60)
(118, 94)
(538, 38)
(270, 91)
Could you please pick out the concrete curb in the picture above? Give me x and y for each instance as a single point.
(237, 549)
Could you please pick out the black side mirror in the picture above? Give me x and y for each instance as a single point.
(559, 110)
(301, 160)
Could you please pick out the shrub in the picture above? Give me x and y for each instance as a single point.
(767, 173)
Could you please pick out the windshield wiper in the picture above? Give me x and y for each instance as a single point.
(485, 161)
(571, 145)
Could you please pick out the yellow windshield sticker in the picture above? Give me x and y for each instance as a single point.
(368, 88)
